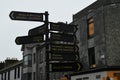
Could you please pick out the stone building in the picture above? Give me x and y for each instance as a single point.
(99, 34)
(99, 37)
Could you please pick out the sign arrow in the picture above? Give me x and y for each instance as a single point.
(29, 39)
(61, 67)
(38, 30)
(77, 58)
(76, 48)
(63, 56)
(26, 16)
(11, 15)
(79, 66)
(62, 27)
(62, 37)
(75, 28)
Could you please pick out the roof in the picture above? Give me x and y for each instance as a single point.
(93, 7)
(12, 66)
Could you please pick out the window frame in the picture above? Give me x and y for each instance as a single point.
(27, 60)
(90, 27)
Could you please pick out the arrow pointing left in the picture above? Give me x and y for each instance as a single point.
(26, 16)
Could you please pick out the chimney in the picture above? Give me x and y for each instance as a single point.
(2, 64)
(10, 61)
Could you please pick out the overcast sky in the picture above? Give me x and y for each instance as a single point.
(59, 11)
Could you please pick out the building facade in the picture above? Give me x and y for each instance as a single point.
(98, 40)
(99, 37)
(12, 70)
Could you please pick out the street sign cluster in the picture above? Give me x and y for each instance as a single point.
(29, 16)
(64, 53)
(60, 39)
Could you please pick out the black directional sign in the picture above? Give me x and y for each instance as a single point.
(38, 30)
(29, 39)
(61, 67)
(62, 37)
(26, 16)
(63, 57)
(63, 48)
(62, 27)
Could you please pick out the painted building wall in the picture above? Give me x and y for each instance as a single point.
(11, 73)
(97, 75)
(89, 76)
(97, 41)
(106, 39)
(112, 34)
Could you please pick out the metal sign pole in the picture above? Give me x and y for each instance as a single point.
(47, 47)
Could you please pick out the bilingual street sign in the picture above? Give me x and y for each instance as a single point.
(62, 37)
(29, 39)
(62, 27)
(62, 67)
(26, 16)
(63, 48)
(38, 30)
(63, 56)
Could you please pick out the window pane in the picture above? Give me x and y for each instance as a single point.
(91, 53)
(91, 29)
(28, 60)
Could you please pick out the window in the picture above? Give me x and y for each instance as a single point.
(27, 76)
(117, 75)
(41, 73)
(41, 57)
(33, 75)
(79, 79)
(91, 54)
(8, 75)
(86, 78)
(5, 76)
(41, 76)
(2, 76)
(18, 72)
(34, 58)
(28, 60)
(15, 71)
(90, 28)
(98, 76)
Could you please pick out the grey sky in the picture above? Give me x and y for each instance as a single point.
(59, 11)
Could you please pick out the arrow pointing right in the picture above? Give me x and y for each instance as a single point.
(76, 48)
(77, 57)
(79, 66)
(75, 28)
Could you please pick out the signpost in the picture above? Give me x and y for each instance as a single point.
(26, 16)
(38, 30)
(62, 37)
(56, 50)
(63, 56)
(64, 48)
(63, 67)
(29, 39)
(62, 27)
